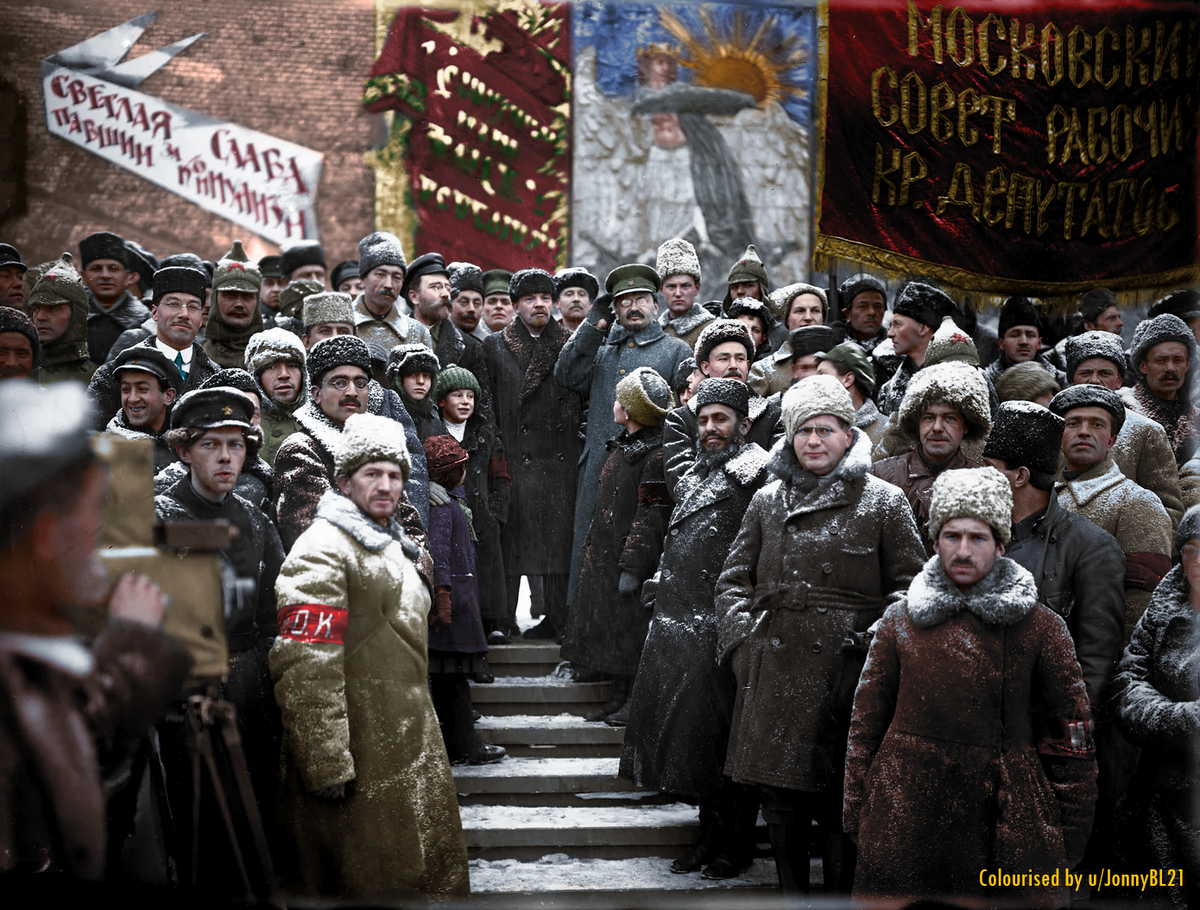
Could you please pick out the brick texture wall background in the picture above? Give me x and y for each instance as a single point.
(293, 69)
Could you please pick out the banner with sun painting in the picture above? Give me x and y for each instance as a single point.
(692, 120)
(1043, 148)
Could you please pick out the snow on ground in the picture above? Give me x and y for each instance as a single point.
(558, 872)
(537, 721)
(520, 766)
(560, 817)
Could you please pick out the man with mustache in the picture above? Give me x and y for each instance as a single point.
(1162, 356)
(378, 319)
(466, 299)
(111, 308)
(58, 307)
(427, 289)
(679, 267)
(574, 290)
(945, 404)
(1020, 332)
(236, 315)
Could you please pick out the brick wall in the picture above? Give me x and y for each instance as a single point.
(293, 69)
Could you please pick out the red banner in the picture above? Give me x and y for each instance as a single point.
(1012, 146)
(487, 155)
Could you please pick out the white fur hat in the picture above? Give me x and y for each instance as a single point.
(272, 346)
(981, 493)
(677, 257)
(951, 383)
(368, 437)
(813, 396)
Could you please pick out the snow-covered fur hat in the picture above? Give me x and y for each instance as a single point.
(1091, 345)
(1026, 382)
(406, 359)
(576, 277)
(813, 396)
(340, 350)
(1026, 435)
(645, 395)
(1184, 304)
(719, 331)
(330, 306)
(924, 303)
(270, 347)
(981, 493)
(781, 299)
(379, 248)
(677, 257)
(1090, 396)
(729, 392)
(369, 437)
(955, 384)
(857, 284)
(1166, 327)
(749, 306)
(1019, 311)
(530, 281)
(1189, 528)
(465, 276)
(683, 374)
(950, 344)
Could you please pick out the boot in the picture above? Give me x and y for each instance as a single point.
(739, 815)
(544, 630)
(537, 597)
(620, 694)
(706, 848)
(483, 670)
(790, 843)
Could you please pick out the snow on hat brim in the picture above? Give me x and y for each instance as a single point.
(339, 350)
(406, 359)
(677, 257)
(530, 281)
(980, 493)
(924, 303)
(379, 248)
(1160, 329)
(782, 298)
(813, 396)
(1019, 311)
(957, 385)
(950, 344)
(1087, 395)
(1094, 345)
(812, 339)
(1189, 528)
(366, 438)
(466, 276)
(645, 396)
(729, 392)
(1026, 435)
(749, 268)
(576, 277)
(717, 332)
(267, 348)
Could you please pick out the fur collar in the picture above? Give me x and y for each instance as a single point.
(1094, 481)
(1004, 598)
(535, 357)
(693, 318)
(340, 512)
(324, 432)
(128, 312)
(639, 445)
(757, 405)
(854, 464)
(867, 415)
(119, 426)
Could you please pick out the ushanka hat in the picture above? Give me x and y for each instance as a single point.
(1184, 304)
(851, 355)
(1160, 329)
(1189, 528)
(326, 307)
(453, 378)
(812, 339)
(717, 332)
(340, 350)
(233, 378)
(103, 245)
(924, 303)
(729, 392)
(980, 493)
(379, 248)
(301, 254)
(576, 277)
(179, 279)
(645, 395)
(235, 272)
(366, 438)
(530, 281)
(813, 396)
(465, 276)
(859, 284)
(406, 359)
(749, 306)
(268, 348)
(58, 285)
(956, 385)
(1092, 345)
(1019, 311)
(1087, 395)
(1026, 435)
(677, 257)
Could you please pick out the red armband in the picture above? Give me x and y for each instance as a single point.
(314, 624)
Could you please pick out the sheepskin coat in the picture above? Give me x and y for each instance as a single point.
(773, 373)
(970, 745)
(1156, 693)
(814, 564)
(682, 702)
(1144, 455)
(350, 667)
(686, 328)
(912, 475)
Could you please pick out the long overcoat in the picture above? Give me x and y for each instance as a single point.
(682, 702)
(350, 667)
(815, 562)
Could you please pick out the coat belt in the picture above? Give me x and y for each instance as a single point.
(803, 595)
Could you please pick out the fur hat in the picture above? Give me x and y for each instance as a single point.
(729, 392)
(813, 396)
(750, 306)
(677, 257)
(45, 430)
(781, 300)
(1090, 396)
(270, 347)
(406, 359)
(750, 268)
(369, 437)
(59, 284)
(301, 254)
(683, 374)
(646, 396)
(452, 378)
(1091, 345)
(1189, 528)
(851, 355)
(142, 261)
(187, 261)
(530, 281)
(328, 306)
(340, 350)
(1026, 435)
(379, 248)
(950, 344)
(291, 298)
(922, 302)
(103, 245)
(719, 331)
(235, 272)
(955, 384)
(12, 320)
(1151, 332)
(812, 339)
(857, 284)
(465, 276)
(443, 455)
(344, 271)
(1026, 382)
(1095, 302)
(576, 277)
(1184, 304)
(1019, 311)
(425, 264)
(982, 493)
(178, 279)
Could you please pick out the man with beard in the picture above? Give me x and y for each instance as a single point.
(681, 702)
(1020, 332)
(111, 308)
(466, 299)
(236, 316)
(1161, 356)
(270, 267)
(574, 290)
(18, 345)
(178, 297)
(304, 261)
(917, 313)
(427, 289)
(679, 268)
(149, 383)
(58, 306)
(377, 319)
(497, 305)
(12, 277)
(275, 358)
(724, 350)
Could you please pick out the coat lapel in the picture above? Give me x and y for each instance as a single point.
(535, 356)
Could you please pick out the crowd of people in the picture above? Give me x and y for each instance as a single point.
(921, 593)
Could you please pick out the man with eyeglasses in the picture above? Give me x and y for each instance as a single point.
(823, 549)
(427, 289)
(177, 313)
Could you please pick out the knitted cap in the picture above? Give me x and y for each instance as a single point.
(677, 257)
(922, 302)
(60, 284)
(1026, 435)
(683, 375)
(1189, 528)
(178, 279)
(443, 455)
(268, 348)
(530, 281)
(346, 270)
(957, 385)
(291, 298)
(813, 396)
(271, 266)
(729, 392)
(452, 378)
(781, 299)
(301, 254)
(853, 356)
(982, 493)
(103, 245)
(1090, 396)
(1184, 304)
(1025, 382)
(339, 350)
(950, 344)
(646, 396)
(1151, 332)
(1090, 345)
(749, 268)
(366, 438)
(576, 277)
(719, 331)
(465, 276)
(328, 306)
(1019, 311)
(379, 248)
(857, 284)
(425, 264)
(235, 272)
(45, 430)
(1095, 302)
(812, 339)
(406, 359)
(495, 281)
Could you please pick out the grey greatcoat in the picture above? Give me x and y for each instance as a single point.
(682, 702)
(592, 363)
(817, 560)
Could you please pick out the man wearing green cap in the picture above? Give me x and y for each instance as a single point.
(270, 267)
(849, 364)
(498, 307)
(598, 356)
(58, 307)
(236, 315)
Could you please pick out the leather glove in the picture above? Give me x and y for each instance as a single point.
(333, 791)
(439, 617)
(602, 311)
(629, 583)
(438, 495)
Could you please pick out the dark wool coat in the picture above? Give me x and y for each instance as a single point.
(1156, 695)
(969, 747)
(680, 432)
(105, 388)
(814, 564)
(910, 474)
(606, 629)
(57, 727)
(453, 555)
(539, 422)
(681, 705)
(104, 326)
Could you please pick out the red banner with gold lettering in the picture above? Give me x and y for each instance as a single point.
(1010, 147)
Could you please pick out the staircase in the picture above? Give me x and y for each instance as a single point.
(554, 816)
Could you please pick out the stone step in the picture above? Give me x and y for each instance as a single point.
(545, 736)
(538, 695)
(519, 781)
(524, 658)
(558, 882)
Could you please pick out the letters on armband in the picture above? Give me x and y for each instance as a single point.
(314, 624)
